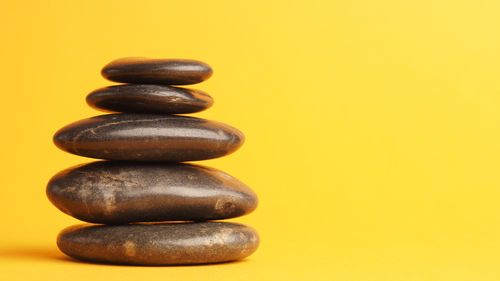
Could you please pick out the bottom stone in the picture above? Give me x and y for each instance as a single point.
(159, 243)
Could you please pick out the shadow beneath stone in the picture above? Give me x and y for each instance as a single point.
(34, 253)
(70, 259)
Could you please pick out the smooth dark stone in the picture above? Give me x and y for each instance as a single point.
(136, 98)
(159, 244)
(140, 70)
(148, 137)
(114, 192)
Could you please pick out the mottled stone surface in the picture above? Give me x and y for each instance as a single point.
(159, 244)
(148, 137)
(140, 70)
(114, 192)
(138, 98)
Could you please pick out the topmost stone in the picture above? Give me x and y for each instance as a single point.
(140, 70)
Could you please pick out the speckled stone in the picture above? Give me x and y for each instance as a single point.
(159, 244)
(140, 70)
(114, 192)
(138, 98)
(148, 137)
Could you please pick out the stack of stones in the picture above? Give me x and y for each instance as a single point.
(151, 209)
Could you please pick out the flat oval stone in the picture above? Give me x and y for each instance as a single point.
(148, 137)
(137, 98)
(159, 244)
(115, 192)
(140, 70)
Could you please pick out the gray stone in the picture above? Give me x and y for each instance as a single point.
(148, 137)
(159, 244)
(140, 70)
(149, 99)
(114, 192)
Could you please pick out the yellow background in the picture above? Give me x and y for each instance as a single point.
(373, 129)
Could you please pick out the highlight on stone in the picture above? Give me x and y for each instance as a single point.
(155, 210)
